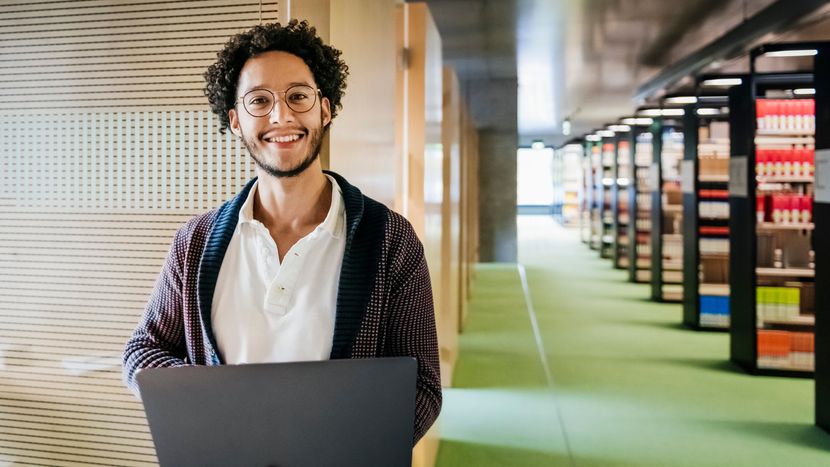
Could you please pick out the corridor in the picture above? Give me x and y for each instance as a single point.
(586, 371)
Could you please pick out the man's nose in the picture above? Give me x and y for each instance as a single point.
(281, 113)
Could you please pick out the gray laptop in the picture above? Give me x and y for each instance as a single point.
(328, 413)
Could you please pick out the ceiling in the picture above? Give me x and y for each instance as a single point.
(581, 60)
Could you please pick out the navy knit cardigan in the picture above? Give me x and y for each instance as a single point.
(384, 299)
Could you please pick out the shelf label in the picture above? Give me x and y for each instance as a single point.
(822, 176)
(655, 176)
(687, 177)
(738, 177)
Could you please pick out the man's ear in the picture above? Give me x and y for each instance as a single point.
(233, 120)
(325, 108)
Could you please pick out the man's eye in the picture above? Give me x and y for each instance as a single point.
(258, 101)
(297, 97)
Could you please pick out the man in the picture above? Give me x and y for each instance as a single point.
(299, 265)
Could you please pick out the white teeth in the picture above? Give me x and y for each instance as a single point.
(283, 139)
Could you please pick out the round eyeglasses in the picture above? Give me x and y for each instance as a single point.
(260, 102)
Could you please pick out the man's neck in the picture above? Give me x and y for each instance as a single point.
(292, 203)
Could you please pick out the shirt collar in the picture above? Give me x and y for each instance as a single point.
(246, 212)
(334, 223)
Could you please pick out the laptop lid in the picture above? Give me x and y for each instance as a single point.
(328, 413)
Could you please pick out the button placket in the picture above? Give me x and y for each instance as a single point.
(282, 287)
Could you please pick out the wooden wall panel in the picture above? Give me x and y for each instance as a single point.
(470, 208)
(451, 225)
(363, 147)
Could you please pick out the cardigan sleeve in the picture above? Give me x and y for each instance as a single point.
(412, 324)
(158, 340)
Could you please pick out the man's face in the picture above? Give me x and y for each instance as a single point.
(284, 142)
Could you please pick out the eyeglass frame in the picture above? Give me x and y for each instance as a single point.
(318, 95)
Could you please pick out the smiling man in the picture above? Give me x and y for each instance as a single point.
(300, 265)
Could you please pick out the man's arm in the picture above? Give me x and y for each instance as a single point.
(412, 326)
(158, 340)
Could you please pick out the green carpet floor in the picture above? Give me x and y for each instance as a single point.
(628, 385)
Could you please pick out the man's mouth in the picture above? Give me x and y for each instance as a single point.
(283, 139)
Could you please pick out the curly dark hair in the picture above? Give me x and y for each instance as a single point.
(297, 38)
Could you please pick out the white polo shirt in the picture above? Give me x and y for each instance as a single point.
(264, 311)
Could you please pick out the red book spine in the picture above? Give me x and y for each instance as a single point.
(807, 209)
(777, 215)
(795, 208)
(810, 117)
(761, 113)
(760, 208)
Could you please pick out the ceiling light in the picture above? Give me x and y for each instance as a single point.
(792, 53)
(638, 121)
(537, 144)
(722, 82)
(708, 111)
(681, 100)
(619, 128)
(672, 112)
(605, 133)
(804, 91)
(592, 138)
(649, 112)
(566, 127)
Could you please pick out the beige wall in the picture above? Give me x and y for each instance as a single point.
(363, 136)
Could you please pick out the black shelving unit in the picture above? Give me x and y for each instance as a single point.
(605, 188)
(656, 185)
(706, 212)
(570, 158)
(594, 193)
(639, 202)
(585, 197)
(666, 275)
(620, 200)
(821, 211)
(773, 293)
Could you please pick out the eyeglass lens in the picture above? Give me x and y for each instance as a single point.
(260, 102)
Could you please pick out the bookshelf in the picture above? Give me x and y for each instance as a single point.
(775, 231)
(570, 157)
(605, 185)
(585, 193)
(620, 201)
(592, 150)
(639, 200)
(667, 211)
(706, 214)
(821, 234)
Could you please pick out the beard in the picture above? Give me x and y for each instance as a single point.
(315, 140)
